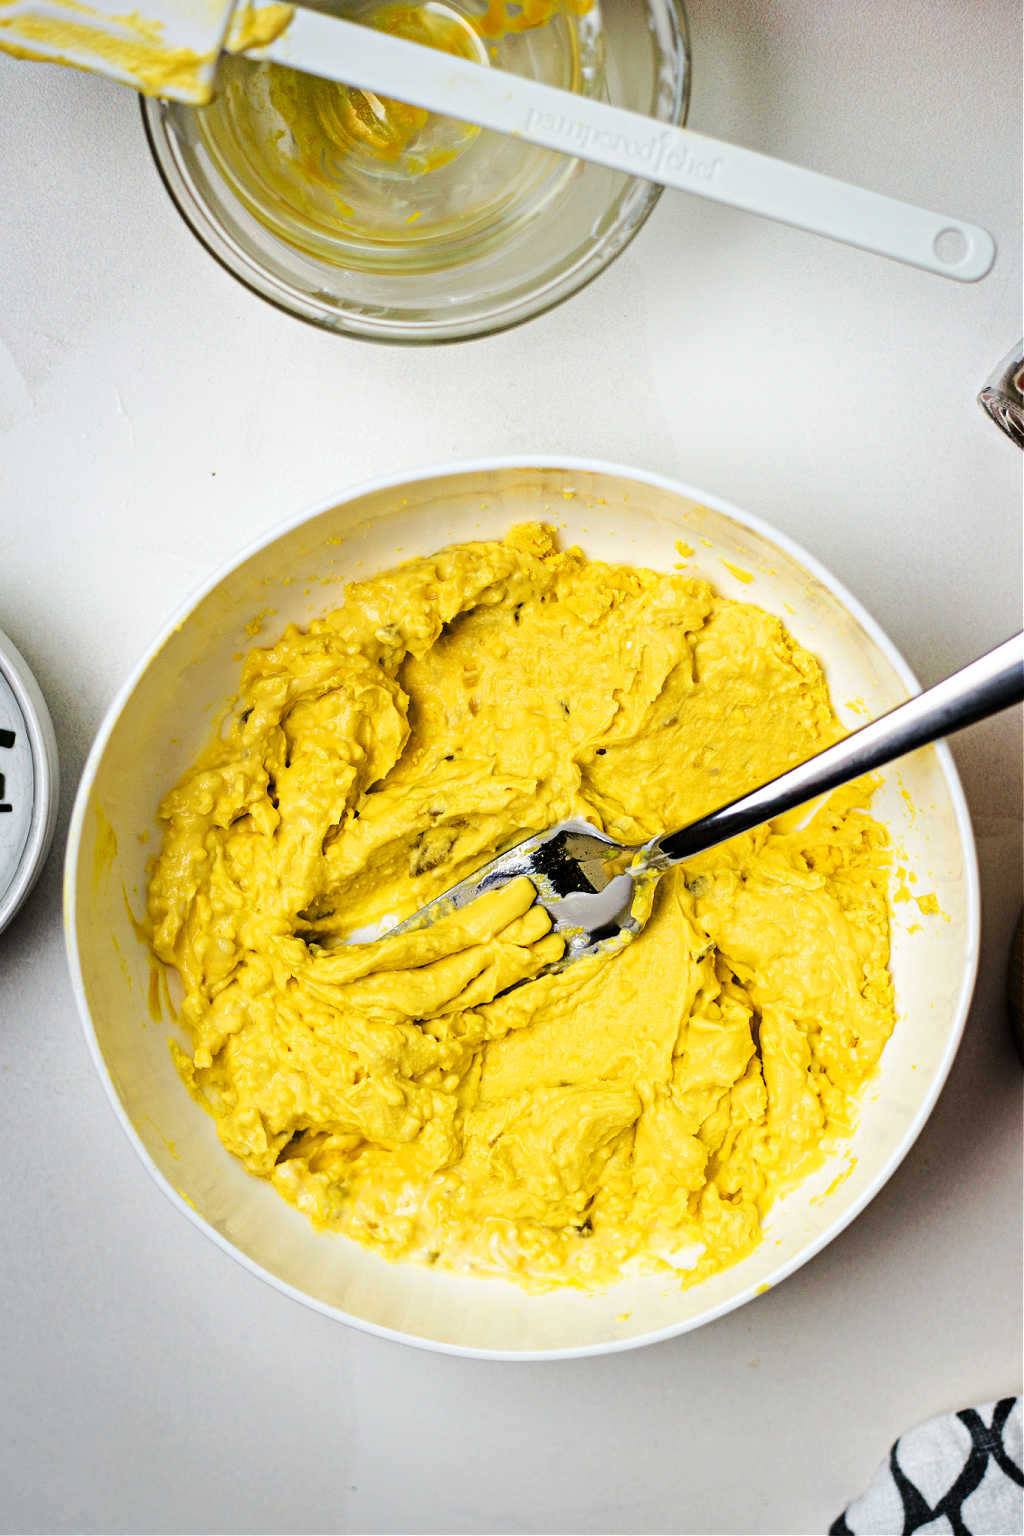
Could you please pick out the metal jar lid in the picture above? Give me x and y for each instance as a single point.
(29, 780)
(1003, 395)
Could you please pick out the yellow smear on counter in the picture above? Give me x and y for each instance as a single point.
(637, 1111)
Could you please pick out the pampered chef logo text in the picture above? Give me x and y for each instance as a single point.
(661, 152)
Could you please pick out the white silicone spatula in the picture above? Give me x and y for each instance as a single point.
(166, 47)
(374, 61)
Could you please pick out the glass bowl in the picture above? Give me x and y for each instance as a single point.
(476, 234)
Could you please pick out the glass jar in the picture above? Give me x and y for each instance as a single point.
(456, 233)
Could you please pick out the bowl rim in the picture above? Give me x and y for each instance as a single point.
(394, 482)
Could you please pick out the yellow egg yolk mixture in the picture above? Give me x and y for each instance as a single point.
(636, 1111)
(325, 119)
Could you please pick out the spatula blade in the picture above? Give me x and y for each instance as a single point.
(161, 47)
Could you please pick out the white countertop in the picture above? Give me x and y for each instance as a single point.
(154, 416)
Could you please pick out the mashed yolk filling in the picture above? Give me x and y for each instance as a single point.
(639, 1110)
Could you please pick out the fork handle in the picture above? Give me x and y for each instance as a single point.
(993, 682)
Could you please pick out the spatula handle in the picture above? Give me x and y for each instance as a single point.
(627, 141)
(993, 682)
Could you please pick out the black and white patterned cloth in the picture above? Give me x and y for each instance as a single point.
(961, 1474)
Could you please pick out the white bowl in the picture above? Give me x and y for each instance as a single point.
(164, 713)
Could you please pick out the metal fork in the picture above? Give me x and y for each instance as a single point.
(599, 893)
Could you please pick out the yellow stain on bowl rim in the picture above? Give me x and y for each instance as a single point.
(104, 850)
(140, 927)
(169, 1007)
(906, 796)
(153, 997)
(122, 962)
(839, 1180)
(256, 623)
(928, 905)
(737, 570)
(168, 1143)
